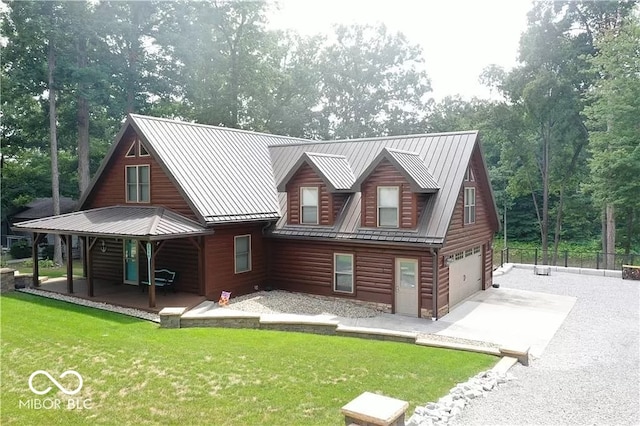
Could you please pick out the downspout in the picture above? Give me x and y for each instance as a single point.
(434, 284)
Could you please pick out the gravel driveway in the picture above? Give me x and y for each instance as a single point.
(589, 372)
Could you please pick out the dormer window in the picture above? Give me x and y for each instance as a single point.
(388, 206)
(309, 205)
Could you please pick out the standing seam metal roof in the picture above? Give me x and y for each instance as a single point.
(445, 156)
(153, 223)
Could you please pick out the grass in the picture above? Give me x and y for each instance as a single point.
(136, 373)
(47, 269)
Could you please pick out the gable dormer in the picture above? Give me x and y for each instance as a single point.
(394, 188)
(317, 187)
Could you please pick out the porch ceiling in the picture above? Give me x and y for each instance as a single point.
(133, 222)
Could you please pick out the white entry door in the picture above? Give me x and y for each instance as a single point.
(407, 287)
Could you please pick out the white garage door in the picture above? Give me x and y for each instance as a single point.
(465, 275)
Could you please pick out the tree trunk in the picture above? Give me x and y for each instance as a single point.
(627, 242)
(82, 117)
(556, 238)
(55, 178)
(545, 197)
(611, 237)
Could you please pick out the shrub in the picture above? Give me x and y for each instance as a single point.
(47, 252)
(20, 249)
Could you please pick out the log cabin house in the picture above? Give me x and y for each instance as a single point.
(406, 222)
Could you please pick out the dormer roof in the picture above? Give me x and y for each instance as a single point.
(334, 170)
(406, 162)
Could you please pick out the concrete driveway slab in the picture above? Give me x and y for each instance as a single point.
(509, 318)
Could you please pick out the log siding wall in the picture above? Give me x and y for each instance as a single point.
(307, 266)
(220, 261)
(385, 174)
(110, 190)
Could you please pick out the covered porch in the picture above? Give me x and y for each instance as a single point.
(119, 294)
(120, 247)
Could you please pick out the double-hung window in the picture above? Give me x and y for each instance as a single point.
(242, 247)
(469, 205)
(309, 205)
(138, 184)
(343, 272)
(388, 206)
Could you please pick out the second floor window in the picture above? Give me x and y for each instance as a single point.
(469, 206)
(388, 206)
(138, 184)
(309, 205)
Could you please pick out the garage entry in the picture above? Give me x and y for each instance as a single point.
(465, 275)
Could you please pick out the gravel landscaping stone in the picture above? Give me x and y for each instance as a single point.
(98, 305)
(280, 302)
(590, 371)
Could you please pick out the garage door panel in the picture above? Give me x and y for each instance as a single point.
(465, 278)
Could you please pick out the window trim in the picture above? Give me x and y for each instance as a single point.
(335, 273)
(235, 254)
(397, 207)
(302, 205)
(468, 206)
(141, 148)
(137, 167)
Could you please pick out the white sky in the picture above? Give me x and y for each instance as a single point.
(459, 38)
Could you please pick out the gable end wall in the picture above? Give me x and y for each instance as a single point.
(462, 237)
(110, 189)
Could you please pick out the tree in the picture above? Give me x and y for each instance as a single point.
(372, 83)
(614, 121)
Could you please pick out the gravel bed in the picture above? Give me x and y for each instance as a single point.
(278, 302)
(440, 338)
(98, 305)
(590, 371)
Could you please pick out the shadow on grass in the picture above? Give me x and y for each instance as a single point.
(72, 307)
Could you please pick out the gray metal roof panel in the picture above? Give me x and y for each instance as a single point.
(445, 155)
(225, 174)
(335, 168)
(129, 221)
(415, 168)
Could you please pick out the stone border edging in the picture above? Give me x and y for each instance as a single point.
(179, 318)
(569, 270)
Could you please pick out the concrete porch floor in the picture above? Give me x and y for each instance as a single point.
(121, 294)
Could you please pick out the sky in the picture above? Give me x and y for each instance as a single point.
(459, 38)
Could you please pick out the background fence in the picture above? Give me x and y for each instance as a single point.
(567, 258)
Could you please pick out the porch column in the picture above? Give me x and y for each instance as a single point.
(34, 257)
(89, 246)
(68, 242)
(151, 259)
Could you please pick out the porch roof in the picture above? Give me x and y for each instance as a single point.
(133, 222)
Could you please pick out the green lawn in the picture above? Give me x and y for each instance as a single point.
(136, 373)
(45, 270)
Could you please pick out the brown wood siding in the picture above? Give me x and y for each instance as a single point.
(306, 176)
(108, 265)
(180, 256)
(338, 204)
(220, 266)
(110, 189)
(462, 237)
(305, 266)
(385, 174)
